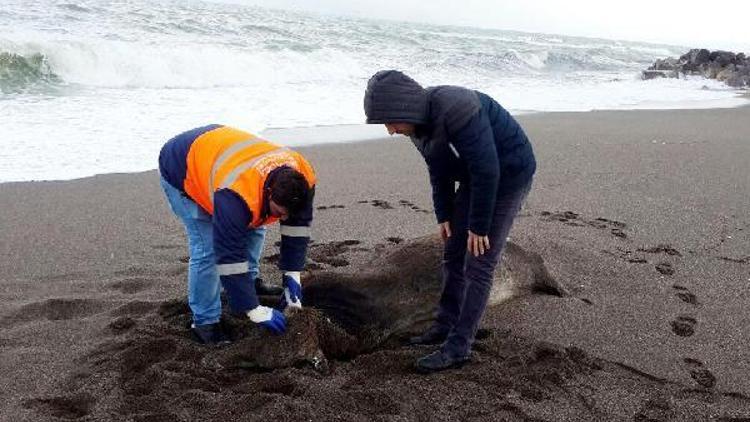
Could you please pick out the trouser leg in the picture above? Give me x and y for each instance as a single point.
(479, 273)
(204, 289)
(454, 283)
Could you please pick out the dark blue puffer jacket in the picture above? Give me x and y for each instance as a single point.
(464, 136)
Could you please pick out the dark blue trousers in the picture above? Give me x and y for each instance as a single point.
(467, 279)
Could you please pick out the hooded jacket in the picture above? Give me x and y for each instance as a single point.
(464, 136)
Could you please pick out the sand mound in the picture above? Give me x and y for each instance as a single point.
(346, 314)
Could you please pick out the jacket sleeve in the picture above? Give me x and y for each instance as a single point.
(230, 229)
(474, 143)
(295, 236)
(443, 193)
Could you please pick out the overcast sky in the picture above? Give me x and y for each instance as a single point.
(718, 24)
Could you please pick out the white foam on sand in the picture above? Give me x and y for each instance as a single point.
(302, 136)
(77, 147)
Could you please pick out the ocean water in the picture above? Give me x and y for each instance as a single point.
(89, 87)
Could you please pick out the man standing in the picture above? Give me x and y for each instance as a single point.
(226, 185)
(465, 137)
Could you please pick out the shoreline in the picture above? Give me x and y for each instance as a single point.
(354, 133)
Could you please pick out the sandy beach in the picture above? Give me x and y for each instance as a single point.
(641, 216)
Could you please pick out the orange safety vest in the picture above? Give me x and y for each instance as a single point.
(228, 158)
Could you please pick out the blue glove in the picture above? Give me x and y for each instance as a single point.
(268, 318)
(292, 296)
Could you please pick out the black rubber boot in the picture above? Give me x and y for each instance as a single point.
(434, 335)
(210, 334)
(263, 288)
(440, 360)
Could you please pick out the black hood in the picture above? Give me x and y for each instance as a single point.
(393, 97)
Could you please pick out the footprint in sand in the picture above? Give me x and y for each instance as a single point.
(571, 218)
(409, 204)
(684, 326)
(745, 260)
(613, 223)
(703, 377)
(699, 374)
(330, 207)
(627, 255)
(379, 203)
(615, 227)
(665, 268)
(661, 248)
(685, 295)
(618, 233)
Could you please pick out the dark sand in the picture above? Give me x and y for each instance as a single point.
(641, 216)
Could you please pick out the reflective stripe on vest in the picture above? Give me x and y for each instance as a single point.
(224, 157)
(230, 178)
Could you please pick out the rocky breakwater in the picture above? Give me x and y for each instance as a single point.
(733, 69)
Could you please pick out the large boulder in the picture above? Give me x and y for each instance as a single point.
(696, 56)
(733, 69)
(712, 70)
(690, 68)
(726, 73)
(722, 58)
(669, 63)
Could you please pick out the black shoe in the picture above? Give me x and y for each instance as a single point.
(263, 288)
(434, 335)
(210, 334)
(439, 361)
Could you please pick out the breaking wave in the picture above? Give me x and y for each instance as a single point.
(19, 73)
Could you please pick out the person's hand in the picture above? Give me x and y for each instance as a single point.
(445, 230)
(476, 244)
(292, 297)
(268, 318)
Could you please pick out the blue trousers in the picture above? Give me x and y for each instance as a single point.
(467, 279)
(204, 288)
